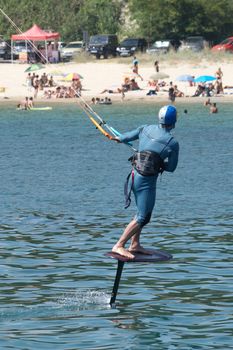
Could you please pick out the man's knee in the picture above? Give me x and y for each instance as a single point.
(142, 221)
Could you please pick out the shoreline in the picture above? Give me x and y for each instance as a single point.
(117, 100)
(100, 76)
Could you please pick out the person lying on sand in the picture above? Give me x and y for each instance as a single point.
(112, 91)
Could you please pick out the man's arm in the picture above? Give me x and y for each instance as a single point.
(170, 163)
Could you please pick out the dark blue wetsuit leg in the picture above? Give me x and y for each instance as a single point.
(144, 190)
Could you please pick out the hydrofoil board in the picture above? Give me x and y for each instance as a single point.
(155, 256)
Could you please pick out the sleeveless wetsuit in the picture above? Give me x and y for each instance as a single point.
(156, 139)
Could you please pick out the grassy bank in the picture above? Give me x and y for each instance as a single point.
(189, 57)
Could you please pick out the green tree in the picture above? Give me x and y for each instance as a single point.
(152, 19)
(69, 18)
(218, 19)
(100, 16)
(160, 19)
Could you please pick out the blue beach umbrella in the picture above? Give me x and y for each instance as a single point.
(204, 79)
(185, 77)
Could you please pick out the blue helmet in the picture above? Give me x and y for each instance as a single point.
(167, 115)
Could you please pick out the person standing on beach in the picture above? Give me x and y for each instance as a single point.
(219, 74)
(156, 65)
(218, 83)
(29, 82)
(158, 152)
(36, 85)
(171, 92)
(135, 67)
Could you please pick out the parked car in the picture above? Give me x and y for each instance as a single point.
(160, 46)
(103, 45)
(194, 43)
(129, 46)
(2, 49)
(59, 44)
(5, 50)
(22, 46)
(163, 46)
(225, 45)
(71, 49)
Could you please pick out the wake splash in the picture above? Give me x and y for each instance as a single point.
(84, 300)
(67, 305)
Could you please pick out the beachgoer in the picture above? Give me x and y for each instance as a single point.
(51, 81)
(171, 93)
(106, 101)
(126, 84)
(207, 102)
(135, 67)
(192, 82)
(33, 77)
(158, 151)
(218, 86)
(44, 79)
(177, 92)
(77, 85)
(36, 85)
(23, 104)
(29, 82)
(219, 73)
(134, 85)
(156, 65)
(30, 103)
(200, 90)
(112, 91)
(218, 82)
(152, 87)
(213, 108)
(48, 94)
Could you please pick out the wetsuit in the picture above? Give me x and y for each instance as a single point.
(157, 139)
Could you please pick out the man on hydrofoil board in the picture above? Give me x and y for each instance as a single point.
(158, 151)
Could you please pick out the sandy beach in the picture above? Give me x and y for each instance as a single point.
(100, 75)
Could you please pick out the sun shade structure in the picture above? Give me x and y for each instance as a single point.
(159, 75)
(35, 33)
(34, 67)
(204, 79)
(185, 77)
(73, 76)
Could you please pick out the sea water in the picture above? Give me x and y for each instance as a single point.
(62, 208)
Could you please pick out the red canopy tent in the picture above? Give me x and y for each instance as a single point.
(35, 33)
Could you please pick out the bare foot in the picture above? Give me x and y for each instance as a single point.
(122, 251)
(141, 250)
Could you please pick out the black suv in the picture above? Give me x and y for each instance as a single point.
(129, 46)
(103, 45)
(5, 50)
